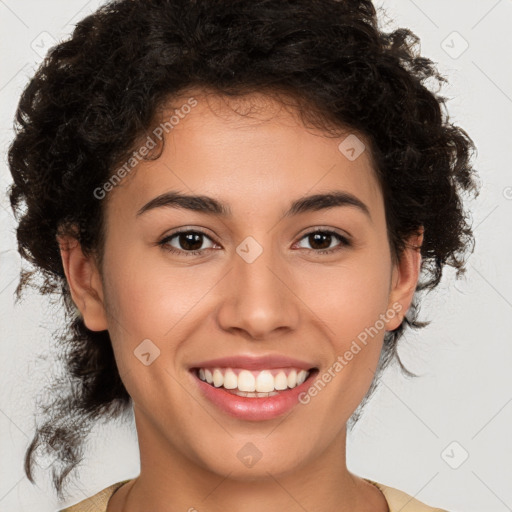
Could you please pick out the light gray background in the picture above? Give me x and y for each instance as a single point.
(405, 438)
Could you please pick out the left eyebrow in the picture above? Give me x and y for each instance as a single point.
(332, 199)
(211, 206)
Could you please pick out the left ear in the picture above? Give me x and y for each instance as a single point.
(404, 279)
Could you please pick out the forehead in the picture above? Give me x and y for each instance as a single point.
(247, 150)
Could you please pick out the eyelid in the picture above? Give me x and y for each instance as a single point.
(186, 229)
(312, 229)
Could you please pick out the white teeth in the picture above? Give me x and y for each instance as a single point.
(292, 379)
(254, 395)
(218, 379)
(280, 381)
(230, 380)
(253, 384)
(301, 377)
(265, 382)
(246, 381)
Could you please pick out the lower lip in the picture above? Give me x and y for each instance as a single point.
(257, 408)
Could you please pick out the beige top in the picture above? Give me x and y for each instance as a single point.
(398, 501)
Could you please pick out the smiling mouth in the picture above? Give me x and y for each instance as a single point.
(254, 384)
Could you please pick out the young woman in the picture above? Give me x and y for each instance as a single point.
(238, 202)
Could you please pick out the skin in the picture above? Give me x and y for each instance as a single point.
(290, 300)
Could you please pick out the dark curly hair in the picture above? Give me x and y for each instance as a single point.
(96, 94)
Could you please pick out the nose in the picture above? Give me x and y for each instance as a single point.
(260, 299)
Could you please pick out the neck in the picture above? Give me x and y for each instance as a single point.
(170, 480)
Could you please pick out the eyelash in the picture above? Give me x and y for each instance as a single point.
(164, 242)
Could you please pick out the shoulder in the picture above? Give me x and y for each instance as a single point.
(96, 503)
(403, 502)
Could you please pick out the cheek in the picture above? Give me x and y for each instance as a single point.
(146, 308)
(348, 297)
(350, 315)
(152, 300)
(141, 283)
(351, 300)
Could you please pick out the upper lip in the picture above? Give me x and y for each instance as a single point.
(261, 362)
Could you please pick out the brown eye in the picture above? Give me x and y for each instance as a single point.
(321, 241)
(190, 241)
(185, 242)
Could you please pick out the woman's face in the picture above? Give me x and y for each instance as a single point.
(254, 283)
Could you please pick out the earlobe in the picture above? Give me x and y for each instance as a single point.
(405, 279)
(84, 282)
